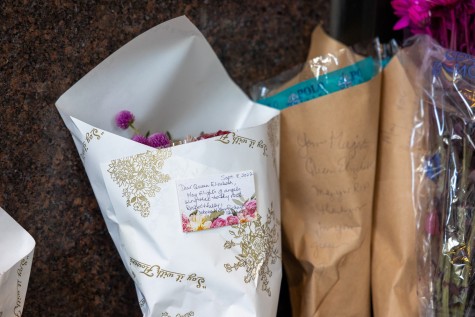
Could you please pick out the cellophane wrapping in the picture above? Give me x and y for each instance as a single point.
(444, 177)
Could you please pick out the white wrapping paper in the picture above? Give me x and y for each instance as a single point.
(16, 255)
(170, 78)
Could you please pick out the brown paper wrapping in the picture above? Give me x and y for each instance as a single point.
(393, 272)
(321, 46)
(328, 162)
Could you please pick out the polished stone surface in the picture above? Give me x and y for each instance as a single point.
(45, 47)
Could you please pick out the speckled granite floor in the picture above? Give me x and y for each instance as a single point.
(46, 48)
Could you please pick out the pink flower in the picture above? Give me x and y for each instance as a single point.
(159, 140)
(218, 222)
(244, 217)
(124, 119)
(232, 220)
(185, 223)
(140, 138)
(250, 208)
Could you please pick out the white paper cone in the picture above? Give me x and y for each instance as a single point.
(16, 256)
(171, 80)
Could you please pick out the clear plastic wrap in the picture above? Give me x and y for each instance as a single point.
(333, 70)
(443, 146)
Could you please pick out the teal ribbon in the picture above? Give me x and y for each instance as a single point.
(326, 84)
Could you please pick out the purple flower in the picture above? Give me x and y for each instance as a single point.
(159, 140)
(432, 223)
(140, 138)
(124, 119)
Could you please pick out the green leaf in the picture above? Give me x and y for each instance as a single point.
(133, 200)
(194, 213)
(216, 214)
(237, 202)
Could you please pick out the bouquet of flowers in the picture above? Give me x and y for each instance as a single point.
(329, 129)
(444, 182)
(16, 249)
(195, 216)
(442, 149)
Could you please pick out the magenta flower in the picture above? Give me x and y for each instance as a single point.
(450, 22)
(442, 3)
(414, 14)
(250, 208)
(232, 220)
(218, 222)
(140, 138)
(124, 119)
(159, 140)
(419, 14)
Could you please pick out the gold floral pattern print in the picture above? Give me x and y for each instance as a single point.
(140, 176)
(259, 243)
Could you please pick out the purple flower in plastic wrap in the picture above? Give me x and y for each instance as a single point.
(124, 119)
(432, 223)
(159, 140)
(140, 138)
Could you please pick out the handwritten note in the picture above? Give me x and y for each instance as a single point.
(217, 200)
(339, 167)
